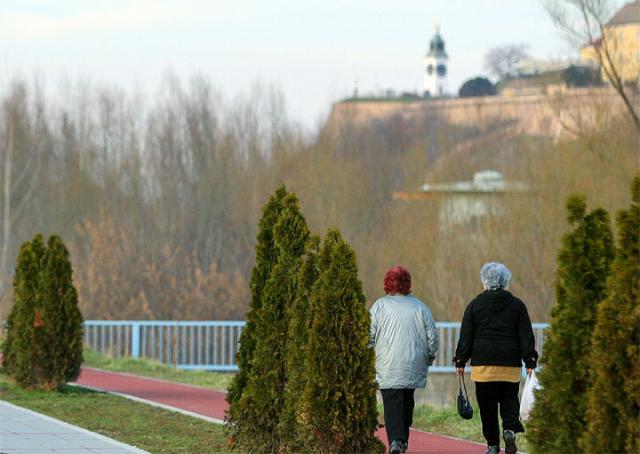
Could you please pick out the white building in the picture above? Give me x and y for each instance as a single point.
(463, 201)
(435, 77)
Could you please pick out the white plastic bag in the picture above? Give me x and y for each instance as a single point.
(527, 400)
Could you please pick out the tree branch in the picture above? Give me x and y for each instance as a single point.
(592, 15)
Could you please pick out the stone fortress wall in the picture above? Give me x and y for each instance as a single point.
(549, 115)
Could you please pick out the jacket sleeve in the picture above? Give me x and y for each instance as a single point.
(465, 343)
(374, 322)
(432, 339)
(527, 340)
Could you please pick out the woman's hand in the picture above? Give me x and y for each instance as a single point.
(460, 371)
(529, 371)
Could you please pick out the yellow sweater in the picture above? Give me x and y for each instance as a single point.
(495, 373)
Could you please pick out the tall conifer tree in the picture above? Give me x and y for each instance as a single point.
(262, 401)
(613, 406)
(558, 418)
(338, 410)
(299, 331)
(266, 257)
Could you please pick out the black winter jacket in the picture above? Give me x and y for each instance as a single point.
(496, 331)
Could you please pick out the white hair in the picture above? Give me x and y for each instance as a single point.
(495, 276)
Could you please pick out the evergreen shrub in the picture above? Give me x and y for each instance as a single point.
(558, 417)
(338, 411)
(613, 401)
(43, 348)
(266, 256)
(260, 406)
(307, 369)
(299, 330)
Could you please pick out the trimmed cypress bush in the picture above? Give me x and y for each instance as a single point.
(613, 406)
(17, 349)
(299, 329)
(266, 256)
(62, 328)
(558, 418)
(260, 405)
(44, 340)
(338, 408)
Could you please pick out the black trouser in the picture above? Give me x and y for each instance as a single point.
(398, 413)
(490, 395)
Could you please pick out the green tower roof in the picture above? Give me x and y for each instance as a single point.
(436, 46)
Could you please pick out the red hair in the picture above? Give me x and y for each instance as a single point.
(397, 280)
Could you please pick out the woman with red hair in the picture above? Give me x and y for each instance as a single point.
(403, 333)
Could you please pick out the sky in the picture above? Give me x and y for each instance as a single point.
(315, 52)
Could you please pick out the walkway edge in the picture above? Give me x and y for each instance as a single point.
(450, 437)
(159, 380)
(152, 403)
(104, 438)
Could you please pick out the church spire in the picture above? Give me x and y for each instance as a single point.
(435, 77)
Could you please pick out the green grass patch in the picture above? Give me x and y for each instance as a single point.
(153, 429)
(155, 369)
(447, 421)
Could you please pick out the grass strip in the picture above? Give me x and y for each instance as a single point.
(155, 369)
(446, 421)
(144, 426)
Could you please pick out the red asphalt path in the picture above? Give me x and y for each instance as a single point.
(212, 404)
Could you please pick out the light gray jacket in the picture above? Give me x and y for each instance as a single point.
(403, 333)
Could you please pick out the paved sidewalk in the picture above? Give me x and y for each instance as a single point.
(211, 405)
(24, 431)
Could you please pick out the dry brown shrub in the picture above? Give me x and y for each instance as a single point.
(116, 282)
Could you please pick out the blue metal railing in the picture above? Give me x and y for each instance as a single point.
(213, 345)
(207, 345)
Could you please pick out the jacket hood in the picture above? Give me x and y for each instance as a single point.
(498, 300)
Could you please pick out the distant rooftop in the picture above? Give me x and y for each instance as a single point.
(537, 66)
(381, 99)
(388, 95)
(485, 181)
(628, 14)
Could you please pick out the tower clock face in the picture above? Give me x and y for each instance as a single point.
(430, 69)
(442, 70)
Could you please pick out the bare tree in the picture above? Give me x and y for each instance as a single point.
(159, 198)
(7, 160)
(502, 61)
(584, 23)
(19, 169)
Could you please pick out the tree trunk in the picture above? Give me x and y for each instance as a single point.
(6, 211)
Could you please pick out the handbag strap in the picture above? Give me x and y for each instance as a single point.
(461, 383)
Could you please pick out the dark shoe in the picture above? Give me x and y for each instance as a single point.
(509, 442)
(493, 450)
(395, 447)
(404, 446)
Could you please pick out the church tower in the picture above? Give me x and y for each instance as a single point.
(435, 76)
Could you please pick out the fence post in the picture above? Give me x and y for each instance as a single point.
(135, 340)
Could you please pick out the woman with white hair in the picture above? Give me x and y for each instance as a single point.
(496, 334)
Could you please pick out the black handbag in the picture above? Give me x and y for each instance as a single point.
(464, 407)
